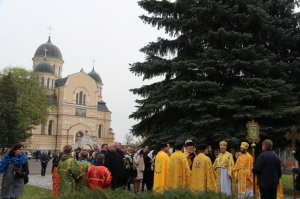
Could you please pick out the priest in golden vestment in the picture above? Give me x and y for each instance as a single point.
(189, 152)
(179, 170)
(161, 167)
(243, 172)
(223, 166)
(203, 176)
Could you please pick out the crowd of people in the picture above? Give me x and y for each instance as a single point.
(205, 172)
(117, 166)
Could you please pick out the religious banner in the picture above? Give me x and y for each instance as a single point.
(253, 131)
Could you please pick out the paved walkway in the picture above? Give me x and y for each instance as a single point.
(41, 181)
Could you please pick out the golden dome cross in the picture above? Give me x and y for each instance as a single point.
(49, 28)
(45, 49)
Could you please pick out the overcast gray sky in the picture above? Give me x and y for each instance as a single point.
(108, 31)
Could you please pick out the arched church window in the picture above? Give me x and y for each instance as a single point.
(54, 68)
(100, 131)
(48, 83)
(52, 83)
(50, 127)
(43, 81)
(43, 127)
(76, 98)
(80, 97)
(83, 100)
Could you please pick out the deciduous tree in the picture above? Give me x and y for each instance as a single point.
(24, 103)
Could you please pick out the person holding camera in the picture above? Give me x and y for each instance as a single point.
(14, 166)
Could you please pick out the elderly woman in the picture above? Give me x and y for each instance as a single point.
(138, 164)
(14, 166)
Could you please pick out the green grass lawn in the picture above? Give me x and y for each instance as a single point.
(287, 184)
(32, 192)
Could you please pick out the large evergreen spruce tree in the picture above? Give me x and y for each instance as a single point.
(231, 62)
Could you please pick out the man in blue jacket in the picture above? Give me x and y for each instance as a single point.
(268, 170)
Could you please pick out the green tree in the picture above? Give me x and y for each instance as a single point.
(24, 103)
(231, 62)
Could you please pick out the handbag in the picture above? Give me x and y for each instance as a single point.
(132, 172)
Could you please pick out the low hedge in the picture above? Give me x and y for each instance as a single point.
(122, 194)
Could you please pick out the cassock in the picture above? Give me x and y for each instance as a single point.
(68, 172)
(98, 177)
(243, 175)
(223, 166)
(203, 176)
(83, 167)
(179, 171)
(161, 167)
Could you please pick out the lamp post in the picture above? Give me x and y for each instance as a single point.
(253, 137)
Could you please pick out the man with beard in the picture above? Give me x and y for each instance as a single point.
(189, 152)
(243, 173)
(223, 166)
(95, 151)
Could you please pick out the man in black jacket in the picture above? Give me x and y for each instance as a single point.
(44, 162)
(104, 148)
(112, 164)
(121, 172)
(268, 170)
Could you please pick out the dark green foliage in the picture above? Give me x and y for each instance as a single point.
(24, 103)
(231, 62)
(172, 194)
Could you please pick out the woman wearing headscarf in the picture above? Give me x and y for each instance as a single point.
(14, 166)
(138, 164)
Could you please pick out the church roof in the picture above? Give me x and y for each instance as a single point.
(53, 51)
(44, 67)
(102, 106)
(61, 82)
(93, 74)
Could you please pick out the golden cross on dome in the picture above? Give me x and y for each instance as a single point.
(293, 136)
(93, 62)
(45, 49)
(49, 28)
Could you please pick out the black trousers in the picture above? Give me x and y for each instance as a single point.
(44, 166)
(268, 193)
